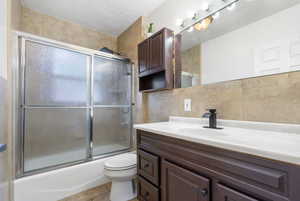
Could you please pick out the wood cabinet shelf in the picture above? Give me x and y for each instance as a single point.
(155, 58)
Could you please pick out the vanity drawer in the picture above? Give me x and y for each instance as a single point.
(227, 194)
(146, 191)
(148, 166)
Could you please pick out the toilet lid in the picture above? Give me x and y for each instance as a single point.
(121, 162)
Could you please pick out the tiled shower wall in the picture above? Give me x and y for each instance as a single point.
(50, 27)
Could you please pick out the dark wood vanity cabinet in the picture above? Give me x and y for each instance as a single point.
(156, 48)
(170, 169)
(143, 52)
(155, 61)
(180, 184)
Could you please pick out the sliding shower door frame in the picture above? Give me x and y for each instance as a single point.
(19, 97)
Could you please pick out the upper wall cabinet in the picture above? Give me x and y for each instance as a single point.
(143, 56)
(155, 59)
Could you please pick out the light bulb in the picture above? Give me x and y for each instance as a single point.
(216, 15)
(198, 26)
(179, 22)
(203, 24)
(231, 6)
(190, 29)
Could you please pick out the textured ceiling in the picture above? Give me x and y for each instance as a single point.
(108, 16)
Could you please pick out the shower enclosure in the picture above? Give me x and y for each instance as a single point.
(74, 105)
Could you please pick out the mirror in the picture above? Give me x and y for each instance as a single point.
(248, 39)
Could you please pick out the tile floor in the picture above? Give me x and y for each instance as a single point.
(100, 193)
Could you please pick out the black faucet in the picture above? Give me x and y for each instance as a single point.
(212, 115)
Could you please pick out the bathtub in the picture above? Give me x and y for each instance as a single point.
(59, 184)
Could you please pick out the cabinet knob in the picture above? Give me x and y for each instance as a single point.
(146, 165)
(204, 192)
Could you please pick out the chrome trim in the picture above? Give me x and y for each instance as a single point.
(75, 48)
(21, 106)
(131, 105)
(70, 164)
(42, 170)
(22, 102)
(105, 155)
(111, 106)
(91, 134)
(3, 148)
(54, 107)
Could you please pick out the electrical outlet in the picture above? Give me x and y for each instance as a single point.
(187, 105)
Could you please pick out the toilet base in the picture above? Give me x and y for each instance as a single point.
(123, 190)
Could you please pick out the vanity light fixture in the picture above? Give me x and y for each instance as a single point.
(200, 21)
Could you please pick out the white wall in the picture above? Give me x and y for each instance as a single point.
(268, 46)
(3, 33)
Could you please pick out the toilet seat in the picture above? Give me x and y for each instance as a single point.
(121, 162)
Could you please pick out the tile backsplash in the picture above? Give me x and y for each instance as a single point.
(274, 98)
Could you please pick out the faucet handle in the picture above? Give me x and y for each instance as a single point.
(212, 110)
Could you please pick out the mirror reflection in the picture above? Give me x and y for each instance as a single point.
(245, 39)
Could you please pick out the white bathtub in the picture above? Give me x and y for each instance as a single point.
(58, 184)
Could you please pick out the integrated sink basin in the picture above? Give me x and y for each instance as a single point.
(201, 130)
(269, 140)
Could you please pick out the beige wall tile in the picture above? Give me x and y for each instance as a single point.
(274, 98)
(64, 31)
(191, 60)
(127, 46)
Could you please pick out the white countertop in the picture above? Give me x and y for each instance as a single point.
(273, 141)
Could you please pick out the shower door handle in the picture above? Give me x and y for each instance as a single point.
(3, 147)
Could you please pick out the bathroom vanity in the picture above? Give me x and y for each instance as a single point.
(179, 161)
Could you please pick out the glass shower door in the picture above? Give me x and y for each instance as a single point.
(55, 107)
(111, 106)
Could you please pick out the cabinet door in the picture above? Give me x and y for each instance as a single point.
(156, 51)
(179, 184)
(146, 191)
(227, 194)
(143, 57)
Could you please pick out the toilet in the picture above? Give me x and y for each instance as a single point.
(122, 171)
